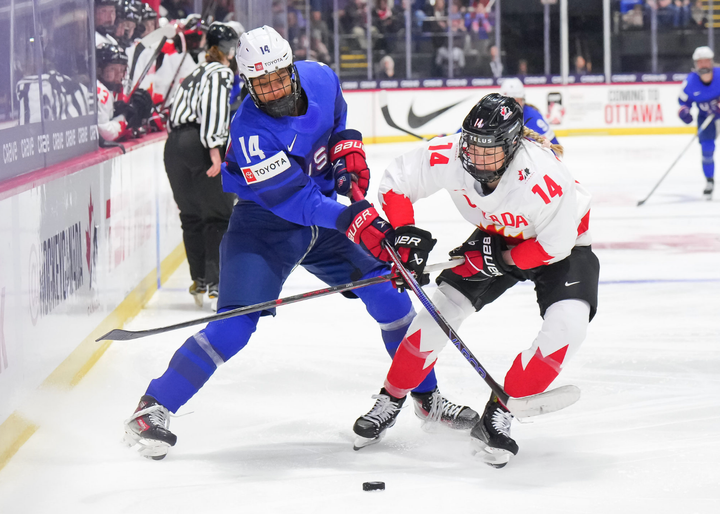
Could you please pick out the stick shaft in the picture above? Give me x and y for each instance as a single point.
(127, 335)
(445, 326)
(702, 127)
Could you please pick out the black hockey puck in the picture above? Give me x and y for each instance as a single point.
(373, 486)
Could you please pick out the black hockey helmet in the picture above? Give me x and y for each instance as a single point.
(224, 37)
(106, 54)
(148, 13)
(128, 11)
(496, 121)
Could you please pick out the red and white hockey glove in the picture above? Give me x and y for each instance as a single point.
(483, 257)
(347, 155)
(363, 225)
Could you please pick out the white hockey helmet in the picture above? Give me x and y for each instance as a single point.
(261, 51)
(703, 52)
(513, 88)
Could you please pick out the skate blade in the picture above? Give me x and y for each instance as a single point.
(148, 448)
(495, 457)
(198, 299)
(362, 442)
(213, 304)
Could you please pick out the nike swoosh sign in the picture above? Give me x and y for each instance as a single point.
(415, 121)
(290, 147)
(568, 284)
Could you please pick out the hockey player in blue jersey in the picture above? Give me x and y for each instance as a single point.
(289, 155)
(534, 121)
(702, 86)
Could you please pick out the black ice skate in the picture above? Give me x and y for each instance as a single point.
(198, 290)
(491, 437)
(707, 193)
(434, 408)
(148, 427)
(370, 428)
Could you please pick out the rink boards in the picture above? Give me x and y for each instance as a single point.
(82, 247)
(578, 109)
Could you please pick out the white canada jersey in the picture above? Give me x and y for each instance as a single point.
(109, 127)
(537, 206)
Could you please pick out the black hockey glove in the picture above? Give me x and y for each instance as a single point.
(413, 245)
(141, 104)
(483, 257)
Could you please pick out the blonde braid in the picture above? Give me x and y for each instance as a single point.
(534, 136)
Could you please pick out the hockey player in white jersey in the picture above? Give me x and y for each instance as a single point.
(117, 114)
(532, 223)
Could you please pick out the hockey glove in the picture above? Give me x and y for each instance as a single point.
(347, 155)
(141, 104)
(363, 225)
(413, 246)
(483, 257)
(685, 114)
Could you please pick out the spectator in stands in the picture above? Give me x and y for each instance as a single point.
(387, 68)
(491, 64)
(697, 14)
(457, 53)
(582, 66)
(522, 67)
(319, 29)
(633, 18)
(353, 22)
(683, 14)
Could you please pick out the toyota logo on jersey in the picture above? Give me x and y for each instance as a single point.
(505, 112)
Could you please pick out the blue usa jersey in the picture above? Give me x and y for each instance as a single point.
(282, 164)
(706, 96)
(535, 121)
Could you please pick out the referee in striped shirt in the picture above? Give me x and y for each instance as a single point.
(199, 128)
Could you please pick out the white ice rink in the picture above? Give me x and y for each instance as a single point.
(271, 432)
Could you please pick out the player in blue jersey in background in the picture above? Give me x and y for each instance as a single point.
(702, 86)
(534, 121)
(289, 155)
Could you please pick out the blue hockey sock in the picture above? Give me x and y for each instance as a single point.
(196, 360)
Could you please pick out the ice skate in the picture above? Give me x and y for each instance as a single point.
(213, 296)
(370, 428)
(490, 438)
(434, 409)
(198, 290)
(707, 193)
(149, 428)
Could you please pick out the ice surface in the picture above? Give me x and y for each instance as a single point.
(271, 432)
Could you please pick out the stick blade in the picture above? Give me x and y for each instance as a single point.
(121, 335)
(544, 403)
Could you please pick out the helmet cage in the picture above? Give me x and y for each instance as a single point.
(490, 170)
(284, 106)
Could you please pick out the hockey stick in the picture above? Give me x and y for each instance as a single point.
(148, 66)
(127, 335)
(388, 119)
(525, 407)
(702, 127)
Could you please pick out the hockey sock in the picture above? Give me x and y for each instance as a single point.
(708, 163)
(196, 360)
(408, 367)
(563, 330)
